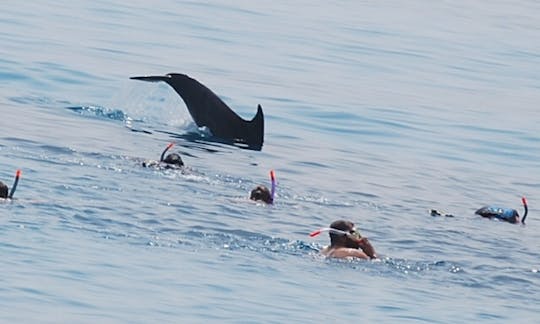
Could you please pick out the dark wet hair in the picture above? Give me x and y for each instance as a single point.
(3, 190)
(341, 225)
(175, 159)
(261, 193)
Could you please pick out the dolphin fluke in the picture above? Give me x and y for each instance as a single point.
(150, 78)
(207, 109)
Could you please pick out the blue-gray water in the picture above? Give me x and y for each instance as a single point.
(375, 112)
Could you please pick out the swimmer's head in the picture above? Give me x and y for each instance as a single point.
(261, 193)
(349, 240)
(174, 159)
(3, 190)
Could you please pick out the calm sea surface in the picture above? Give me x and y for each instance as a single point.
(376, 111)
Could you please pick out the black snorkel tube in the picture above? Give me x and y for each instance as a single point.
(162, 157)
(524, 201)
(17, 176)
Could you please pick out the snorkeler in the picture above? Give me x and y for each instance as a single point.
(435, 212)
(346, 241)
(171, 161)
(4, 191)
(261, 193)
(505, 214)
(509, 215)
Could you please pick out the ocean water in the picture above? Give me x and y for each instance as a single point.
(375, 112)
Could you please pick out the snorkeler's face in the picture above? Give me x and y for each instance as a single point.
(352, 240)
(354, 233)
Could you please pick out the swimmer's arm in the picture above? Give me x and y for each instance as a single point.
(367, 248)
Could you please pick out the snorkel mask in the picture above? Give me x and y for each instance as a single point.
(354, 234)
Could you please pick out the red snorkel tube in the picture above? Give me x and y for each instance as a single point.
(17, 176)
(327, 229)
(524, 201)
(162, 157)
(273, 188)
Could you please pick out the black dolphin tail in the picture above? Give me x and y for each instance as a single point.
(526, 208)
(207, 109)
(14, 187)
(255, 134)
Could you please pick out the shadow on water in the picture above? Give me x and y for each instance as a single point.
(201, 136)
(204, 140)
